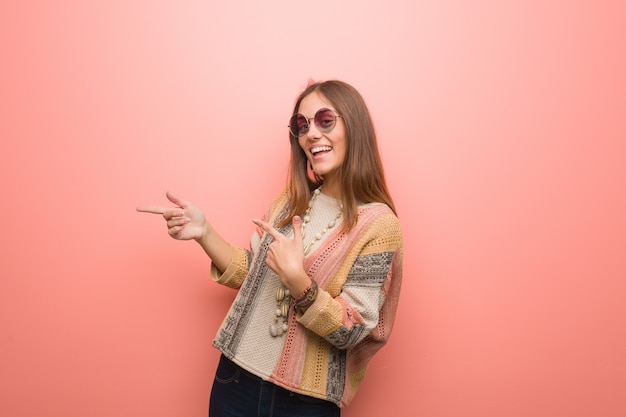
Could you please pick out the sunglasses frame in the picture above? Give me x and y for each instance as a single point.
(301, 132)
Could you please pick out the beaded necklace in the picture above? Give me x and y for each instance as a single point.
(279, 326)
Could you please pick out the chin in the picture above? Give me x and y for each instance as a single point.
(321, 170)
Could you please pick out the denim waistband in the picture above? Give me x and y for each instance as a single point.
(241, 370)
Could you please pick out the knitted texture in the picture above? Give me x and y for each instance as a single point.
(325, 351)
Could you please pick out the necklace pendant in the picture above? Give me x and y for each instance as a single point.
(281, 314)
(280, 325)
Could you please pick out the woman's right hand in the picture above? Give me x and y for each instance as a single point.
(184, 222)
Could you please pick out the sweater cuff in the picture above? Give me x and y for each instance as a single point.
(236, 271)
(324, 316)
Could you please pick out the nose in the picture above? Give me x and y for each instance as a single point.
(313, 133)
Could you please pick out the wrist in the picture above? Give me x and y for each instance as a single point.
(296, 283)
(307, 297)
(204, 236)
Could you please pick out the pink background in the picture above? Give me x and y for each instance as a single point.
(502, 127)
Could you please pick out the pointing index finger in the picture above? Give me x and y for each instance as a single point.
(267, 228)
(152, 209)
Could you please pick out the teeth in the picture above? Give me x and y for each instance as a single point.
(320, 149)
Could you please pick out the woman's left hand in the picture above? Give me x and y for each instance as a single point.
(286, 256)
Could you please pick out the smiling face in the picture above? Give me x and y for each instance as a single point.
(325, 151)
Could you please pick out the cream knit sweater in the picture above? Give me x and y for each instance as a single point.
(325, 351)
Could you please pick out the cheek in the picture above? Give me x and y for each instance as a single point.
(301, 143)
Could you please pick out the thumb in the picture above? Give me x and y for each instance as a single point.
(178, 201)
(296, 224)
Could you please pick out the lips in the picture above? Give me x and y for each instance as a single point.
(320, 149)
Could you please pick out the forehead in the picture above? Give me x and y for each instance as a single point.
(311, 103)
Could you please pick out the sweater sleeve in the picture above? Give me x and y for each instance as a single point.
(237, 269)
(364, 302)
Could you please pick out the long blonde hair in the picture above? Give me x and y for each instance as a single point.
(361, 175)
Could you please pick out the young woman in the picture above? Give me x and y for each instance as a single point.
(319, 286)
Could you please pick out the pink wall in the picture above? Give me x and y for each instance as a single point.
(502, 125)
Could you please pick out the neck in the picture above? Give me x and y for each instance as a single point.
(331, 189)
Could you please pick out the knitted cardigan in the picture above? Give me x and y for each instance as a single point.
(326, 349)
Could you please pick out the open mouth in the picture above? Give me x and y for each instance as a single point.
(320, 150)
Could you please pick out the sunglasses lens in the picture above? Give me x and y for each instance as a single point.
(298, 125)
(325, 120)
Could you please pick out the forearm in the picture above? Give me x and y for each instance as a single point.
(345, 319)
(216, 248)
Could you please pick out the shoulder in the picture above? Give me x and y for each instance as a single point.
(278, 204)
(281, 199)
(378, 215)
(380, 222)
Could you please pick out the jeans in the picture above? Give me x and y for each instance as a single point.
(238, 393)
